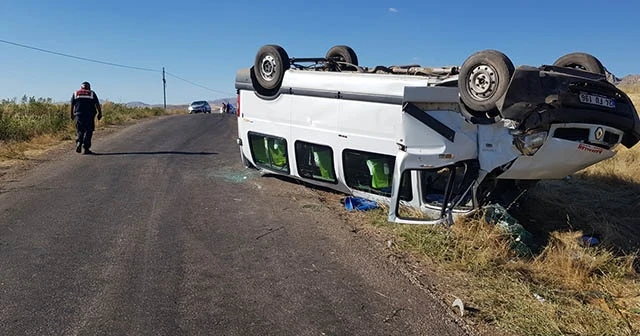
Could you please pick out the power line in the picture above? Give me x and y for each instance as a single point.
(78, 57)
(112, 64)
(198, 85)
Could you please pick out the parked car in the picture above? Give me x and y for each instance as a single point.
(199, 106)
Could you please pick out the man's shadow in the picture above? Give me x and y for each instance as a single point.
(152, 153)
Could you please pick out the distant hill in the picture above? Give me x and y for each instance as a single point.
(626, 81)
(137, 104)
(630, 80)
(217, 102)
(214, 103)
(631, 85)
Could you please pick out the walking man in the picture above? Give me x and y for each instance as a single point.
(84, 107)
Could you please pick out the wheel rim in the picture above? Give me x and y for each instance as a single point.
(482, 82)
(268, 68)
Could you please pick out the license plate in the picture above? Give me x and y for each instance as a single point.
(597, 100)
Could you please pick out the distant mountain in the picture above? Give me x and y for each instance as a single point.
(630, 80)
(102, 101)
(137, 104)
(626, 81)
(214, 103)
(218, 102)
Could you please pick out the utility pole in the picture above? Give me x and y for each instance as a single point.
(164, 89)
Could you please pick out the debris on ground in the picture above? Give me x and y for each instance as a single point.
(538, 297)
(590, 241)
(458, 303)
(358, 203)
(231, 175)
(521, 239)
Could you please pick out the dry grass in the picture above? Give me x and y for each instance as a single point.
(25, 149)
(603, 199)
(566, 287)
(30, 126)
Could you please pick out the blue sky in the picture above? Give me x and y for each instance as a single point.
(205, 42)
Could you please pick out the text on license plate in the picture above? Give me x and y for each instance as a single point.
(597, 100)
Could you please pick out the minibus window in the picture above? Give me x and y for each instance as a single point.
(368, 172)
(315, 162)
(269, 152)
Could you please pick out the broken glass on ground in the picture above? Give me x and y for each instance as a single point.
(521, 239)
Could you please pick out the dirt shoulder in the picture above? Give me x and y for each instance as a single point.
(379, 239)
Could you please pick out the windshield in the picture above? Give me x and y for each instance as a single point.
(439, 189)
(200, 102)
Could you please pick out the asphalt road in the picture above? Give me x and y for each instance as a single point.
(165, 233)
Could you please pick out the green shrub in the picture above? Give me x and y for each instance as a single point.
(29, 117)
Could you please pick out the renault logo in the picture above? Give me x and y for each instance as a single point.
(599, 133)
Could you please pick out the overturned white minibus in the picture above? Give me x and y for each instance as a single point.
(432, 143)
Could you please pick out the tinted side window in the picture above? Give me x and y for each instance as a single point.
(269, 152)
(369, 172)
(315, 162)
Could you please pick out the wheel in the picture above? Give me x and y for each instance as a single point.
(581, 61)
(269, 67)
(484, 78)
(344, 54)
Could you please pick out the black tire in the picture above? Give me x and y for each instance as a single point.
(269, 67)
(344, 54)
(581, 61)
(484, 78)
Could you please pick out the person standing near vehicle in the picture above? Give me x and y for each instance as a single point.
(84, 107)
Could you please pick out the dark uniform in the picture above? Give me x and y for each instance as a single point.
(84, 108)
